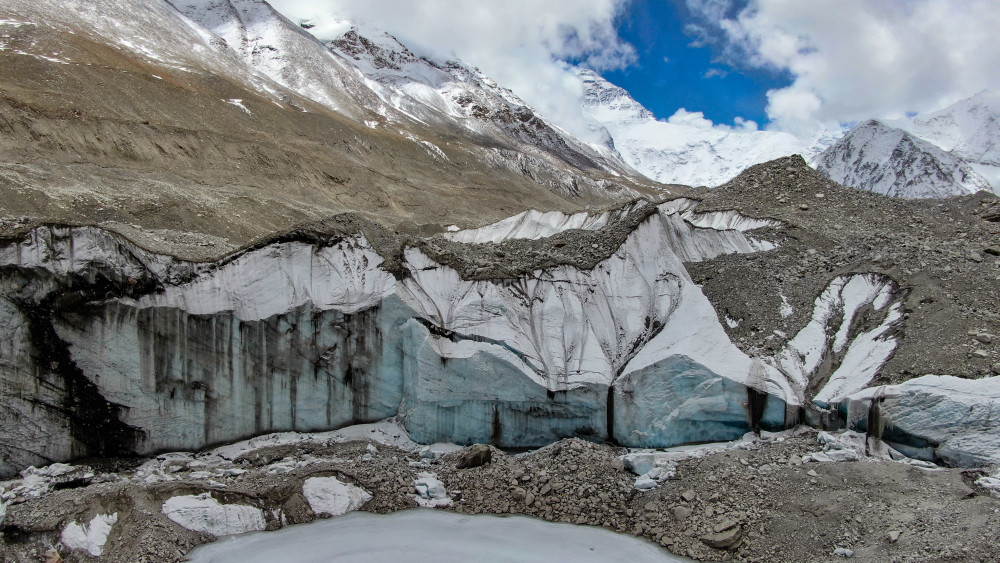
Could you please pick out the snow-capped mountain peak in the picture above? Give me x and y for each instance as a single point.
(883, 159)
(968, 129)
(685, 149)
(603, 98)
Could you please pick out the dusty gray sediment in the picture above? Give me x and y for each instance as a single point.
(784, 509)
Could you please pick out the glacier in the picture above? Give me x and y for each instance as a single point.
(934, 417)
(153, 353)
(109, 349)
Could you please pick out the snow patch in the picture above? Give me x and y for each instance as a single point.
(327, 495)
(89, 537)
(202, 513)
(786, 308)
(828, 334)
(238, 103)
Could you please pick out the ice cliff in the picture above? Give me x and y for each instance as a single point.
(108, 349)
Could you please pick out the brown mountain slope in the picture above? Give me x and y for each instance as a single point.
(157, 145)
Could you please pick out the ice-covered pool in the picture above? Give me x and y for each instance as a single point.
(432, 536)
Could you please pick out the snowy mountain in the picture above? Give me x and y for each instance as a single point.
(369, 75)
(968, 129)
(882, 159)
(686, 149)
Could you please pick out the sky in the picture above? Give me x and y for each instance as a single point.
(673, 71)
(790, 65)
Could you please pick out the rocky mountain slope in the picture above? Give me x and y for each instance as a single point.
(882, 159)
(162, 131)
(371, 70)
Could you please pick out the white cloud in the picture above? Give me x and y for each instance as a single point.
(697, 120)
(854, 59)
(520, 43)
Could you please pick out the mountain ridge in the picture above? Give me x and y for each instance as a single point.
(879, 158)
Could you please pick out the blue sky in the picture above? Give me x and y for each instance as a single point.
(671, 73)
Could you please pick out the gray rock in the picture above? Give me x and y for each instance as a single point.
(682, 513)
(724, 540)
(296, 510)
(996, 368)
(981, 355)
(689, 495)
(975, 256)
(844, 552)
(894, 536)
(725, 525)
(984, 337)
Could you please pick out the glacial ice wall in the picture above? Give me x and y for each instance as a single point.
(108, 349)
(939, 418)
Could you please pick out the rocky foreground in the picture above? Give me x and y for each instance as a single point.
(780, 497)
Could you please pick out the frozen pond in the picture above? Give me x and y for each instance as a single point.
(432, 536)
